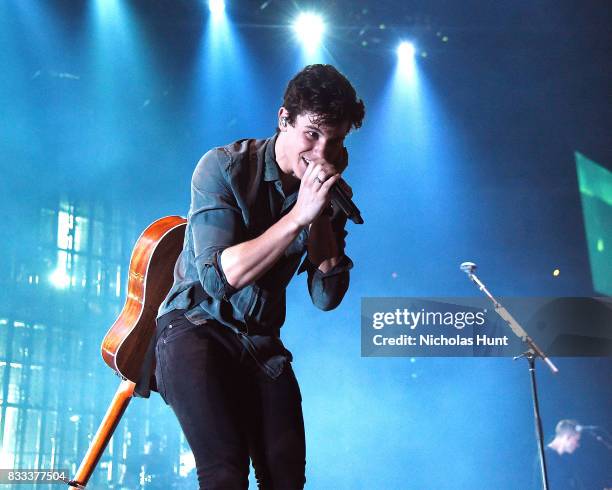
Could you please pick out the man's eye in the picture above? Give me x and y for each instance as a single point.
(312, 135)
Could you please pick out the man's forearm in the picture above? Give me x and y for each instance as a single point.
(322, 247)
(245, 262)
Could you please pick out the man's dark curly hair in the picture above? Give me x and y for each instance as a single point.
(325, 92)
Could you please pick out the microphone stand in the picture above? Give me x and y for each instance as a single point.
(594, 431)
(530, 354)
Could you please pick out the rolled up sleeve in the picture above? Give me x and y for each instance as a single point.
(216, 223)
(327, 289)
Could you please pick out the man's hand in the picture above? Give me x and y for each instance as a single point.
(313, 195)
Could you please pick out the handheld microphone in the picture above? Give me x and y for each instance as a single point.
(342, 200)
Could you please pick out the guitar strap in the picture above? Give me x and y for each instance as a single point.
(255, 171)
(198, 294)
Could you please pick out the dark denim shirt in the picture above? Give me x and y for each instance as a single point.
(236, 195)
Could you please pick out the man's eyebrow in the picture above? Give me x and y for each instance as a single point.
(320, 131)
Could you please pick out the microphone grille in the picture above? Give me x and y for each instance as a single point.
(468, 267)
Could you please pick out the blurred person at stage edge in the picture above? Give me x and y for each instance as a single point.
(563, 470)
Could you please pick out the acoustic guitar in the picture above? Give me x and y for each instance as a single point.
(125, 345)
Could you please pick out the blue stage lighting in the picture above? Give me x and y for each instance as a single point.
(217, 7)
(406, 51)
(406, 62)
(309, 29)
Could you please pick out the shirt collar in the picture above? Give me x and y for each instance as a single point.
(271, 169)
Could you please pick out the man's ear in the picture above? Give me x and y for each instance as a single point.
(283, 119)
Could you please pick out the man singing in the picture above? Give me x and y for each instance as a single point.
(257, 207)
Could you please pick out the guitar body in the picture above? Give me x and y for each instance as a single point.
(125, 345)
(150, 278)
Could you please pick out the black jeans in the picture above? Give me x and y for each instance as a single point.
(229, 409)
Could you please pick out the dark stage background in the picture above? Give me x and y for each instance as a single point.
(467, 155)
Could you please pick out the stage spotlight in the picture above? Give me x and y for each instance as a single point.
(309, 29)
(406, 51)
(217, 7)
(59, 278)
(406, 62)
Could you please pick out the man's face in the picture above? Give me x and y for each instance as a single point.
(306, 143)
(572, 442)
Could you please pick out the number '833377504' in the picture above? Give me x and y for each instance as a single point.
(16, 476)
